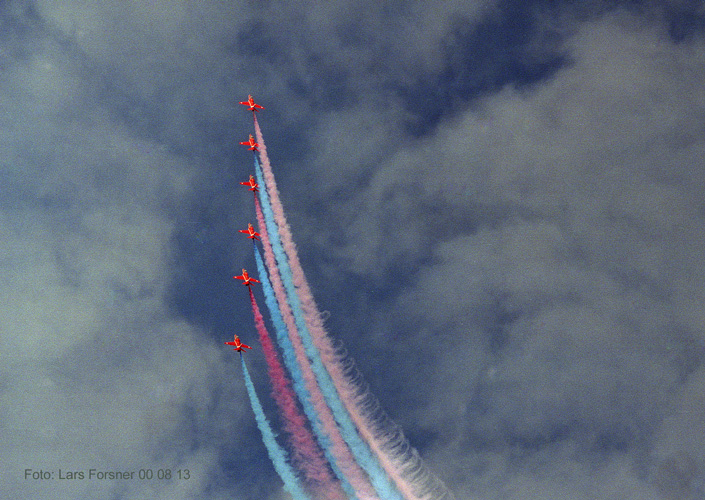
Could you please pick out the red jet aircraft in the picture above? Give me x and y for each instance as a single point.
(251, 142)
(246, 278)
(239, 346)
(253, 185)
(250, 231)
(251, 103)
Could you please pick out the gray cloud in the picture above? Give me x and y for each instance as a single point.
(97, 373)
(518, 275)
(552, 237)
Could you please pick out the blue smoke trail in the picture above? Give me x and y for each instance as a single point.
(276, 454)
(385, 489)
(295, 372)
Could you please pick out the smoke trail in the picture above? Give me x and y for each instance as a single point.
(352, 477)
(276, 454)
(306, 456)
(358, 447)
(386, 440)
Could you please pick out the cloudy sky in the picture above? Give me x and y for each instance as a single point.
(499, 204)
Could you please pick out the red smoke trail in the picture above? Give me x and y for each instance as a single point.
(339, 448)
(307, 456)
(386, 440)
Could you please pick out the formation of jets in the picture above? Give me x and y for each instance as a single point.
(239, 346)
(250, 231)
